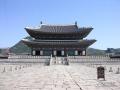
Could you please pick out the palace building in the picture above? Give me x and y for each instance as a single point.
(58, 40)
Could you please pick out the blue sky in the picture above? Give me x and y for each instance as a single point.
(102, 15)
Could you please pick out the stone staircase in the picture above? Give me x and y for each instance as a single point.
(59, 61)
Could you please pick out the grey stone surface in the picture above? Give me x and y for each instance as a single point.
(59, 77)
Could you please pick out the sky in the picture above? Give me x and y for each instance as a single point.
(102, 15)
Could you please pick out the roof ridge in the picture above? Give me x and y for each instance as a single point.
(58, 24)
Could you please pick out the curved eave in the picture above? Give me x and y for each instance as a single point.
(85, 31)
(81, 32)
(59, 43)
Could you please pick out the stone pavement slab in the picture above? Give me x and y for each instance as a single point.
(58, 77)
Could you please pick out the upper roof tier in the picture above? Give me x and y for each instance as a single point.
(58, 30)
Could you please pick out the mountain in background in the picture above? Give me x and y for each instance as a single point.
(92, 51)
(20, 47)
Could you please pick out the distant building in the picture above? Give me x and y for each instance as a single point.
(113, 53)
(58, 40)
(4, 53)
(110, 51)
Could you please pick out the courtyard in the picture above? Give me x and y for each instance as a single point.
(76, 76)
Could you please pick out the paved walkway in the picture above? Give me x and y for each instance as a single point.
(57, 77)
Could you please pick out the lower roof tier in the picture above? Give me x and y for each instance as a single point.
(58, 43)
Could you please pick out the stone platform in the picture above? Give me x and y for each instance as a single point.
(58, 77)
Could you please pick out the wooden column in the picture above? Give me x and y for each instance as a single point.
(33, 52)
(54, 52)
(62, 52)
(41, 52)
(76, 52)
(83, 53)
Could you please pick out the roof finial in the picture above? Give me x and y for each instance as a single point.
(75, 22)
(41, 22)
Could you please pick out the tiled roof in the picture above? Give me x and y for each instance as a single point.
(43, 43)
(56, 28)
(69, 28)
(58, 32)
